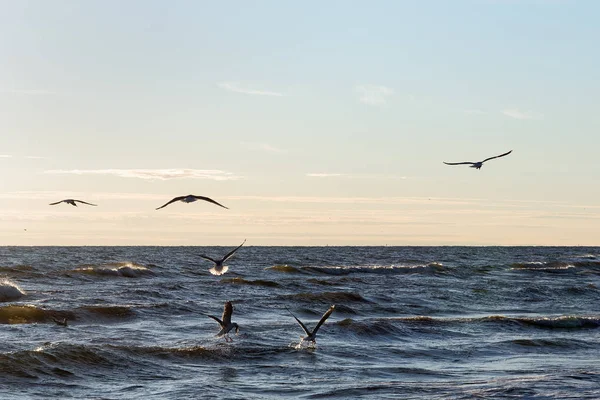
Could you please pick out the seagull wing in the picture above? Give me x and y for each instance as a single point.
(53, 204)
(208, 258)
(216, 319)
(501, 155)
(458, 163)
(227, 311)
(209, 200)
(172, 201)
(323, 319)
(232, 251)
(300, 322)
(84, 202)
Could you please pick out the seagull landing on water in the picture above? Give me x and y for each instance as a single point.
(190, 198)
(72, 202)
(478, 164)
(226, 324)
(312, 336)
(219, 268)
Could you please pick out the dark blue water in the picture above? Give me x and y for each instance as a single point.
(410, 322)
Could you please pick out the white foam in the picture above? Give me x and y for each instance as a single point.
(127, 270)
(10, 290)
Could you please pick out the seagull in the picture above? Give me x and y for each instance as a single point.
(478, 164)
(61, 322)
(190, 198)
(226, 324)
(312, 336)
(72, 202)
(219, 268)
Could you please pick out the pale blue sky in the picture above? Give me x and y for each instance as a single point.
(374, 95)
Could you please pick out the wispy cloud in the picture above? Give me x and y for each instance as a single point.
(237, 88)
(518, 114)
(30, 92)
(263, 147)
(324, 175)
(474, 111)
(353, 176)
(5, 156)
(160, 174)
(374, 95)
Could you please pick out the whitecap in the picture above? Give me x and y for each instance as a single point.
(10, 290)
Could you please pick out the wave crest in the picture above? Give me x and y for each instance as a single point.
(127, 270)
(10, 291)
(257, 282)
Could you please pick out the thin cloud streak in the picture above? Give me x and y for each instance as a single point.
(235, 87)
(522, 115)
(263, 147)
(159, 174)
(354, 176)
(5, 156)
(324, 175)
(374, 95)
(30, 92)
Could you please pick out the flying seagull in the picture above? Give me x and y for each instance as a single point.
(190, 198)
(312, 336)
(226, 324)
(72, 202)
(478, 164)
(219, 268)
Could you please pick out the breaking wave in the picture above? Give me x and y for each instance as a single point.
(127, 270)
(10, 291)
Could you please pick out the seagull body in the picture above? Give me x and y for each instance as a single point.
(61, 322)
(72, 202)
(225, 322)
(478, 164)
(312, 335)
(219, 268)
(190, 198)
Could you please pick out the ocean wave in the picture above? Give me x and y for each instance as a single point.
(106, 312)
(10, 291)
(330, 297)
(29, 314)
(19, 270)
(376, 327)
(257, 282)
(557, 322)
(56, 360)
(284, 268)
(127, 270)
(423, 268)
(556, 266)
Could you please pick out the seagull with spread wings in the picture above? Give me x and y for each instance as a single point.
(478, 164)
(312, 336)
(219, 268)
(225, 322)
(190, 198)
(72, 202)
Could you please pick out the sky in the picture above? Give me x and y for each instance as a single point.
(316, 123)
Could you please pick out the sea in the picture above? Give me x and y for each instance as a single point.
(409, 323)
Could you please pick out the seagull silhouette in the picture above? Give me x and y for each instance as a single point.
(219, 268)
(478, 164)
(72, 202)
(312, 336)
(225, 323)
(190, 198)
